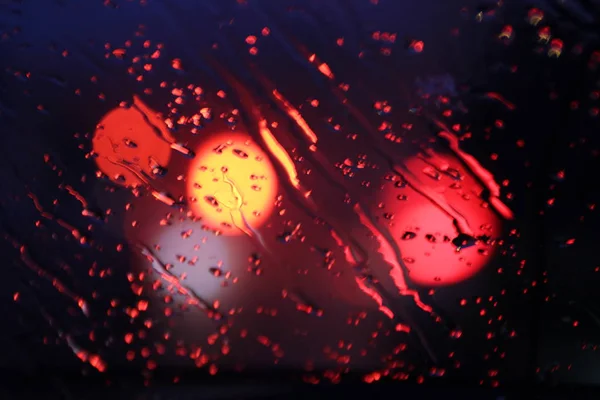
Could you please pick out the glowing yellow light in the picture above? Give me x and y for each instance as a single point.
(232, 184)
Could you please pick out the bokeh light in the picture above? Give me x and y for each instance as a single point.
(424, 232)
(371, 196)
(131, 145)
(231, 184)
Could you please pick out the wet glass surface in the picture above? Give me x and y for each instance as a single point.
(365, 190)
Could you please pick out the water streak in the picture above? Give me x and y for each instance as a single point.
(170, 278)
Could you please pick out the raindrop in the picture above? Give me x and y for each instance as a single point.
(432, 173)
(454, 174)
(130, 143)
(206, 113)
(463, 241)
(219, 149)
(156, 168)
(240, 153)
(408, 235)
(212, 201)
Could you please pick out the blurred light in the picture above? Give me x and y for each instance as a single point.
(231, 184)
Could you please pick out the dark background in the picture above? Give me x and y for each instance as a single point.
(548, 256)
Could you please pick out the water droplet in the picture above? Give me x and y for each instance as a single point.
(240, 153)
(220, 148)
(408, 235)
(463, 241)
(432, 173)
(206, 113)
(454, 174)
(212, 201)
(130, 143)
(155, 168)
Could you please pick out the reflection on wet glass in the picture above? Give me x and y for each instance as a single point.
(313, 192)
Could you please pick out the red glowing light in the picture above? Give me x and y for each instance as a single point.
(424, 232)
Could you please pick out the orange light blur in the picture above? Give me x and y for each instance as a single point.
(128, 146)
(231, 184)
